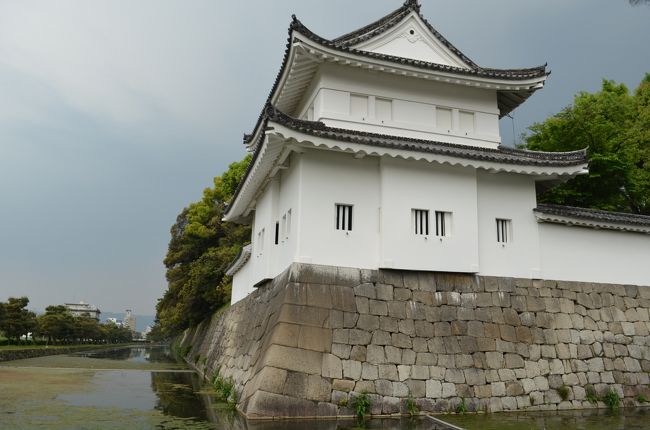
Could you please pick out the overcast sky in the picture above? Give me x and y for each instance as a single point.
(114, 115)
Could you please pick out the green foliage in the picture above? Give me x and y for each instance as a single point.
(612, 399)
(361, 405)
(343, 402)
(615, 127)
(56, 325)
(563, 391)
(591, 395)
(412, 407)
(15, 319)
(641, 398)
(461, 408)
(200, 250)
(225, 388)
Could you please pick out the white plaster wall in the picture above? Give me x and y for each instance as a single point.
(281, 195)
(507, 196)
(407, 185)
(584, 254)
(329, 178)
(413, 110)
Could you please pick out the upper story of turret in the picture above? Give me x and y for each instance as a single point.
(397, 76)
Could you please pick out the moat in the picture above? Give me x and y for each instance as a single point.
(144, 388)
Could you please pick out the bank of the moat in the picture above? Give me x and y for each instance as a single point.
(307, 342)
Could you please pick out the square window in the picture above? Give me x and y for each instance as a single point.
(420, 221)
(343, 217)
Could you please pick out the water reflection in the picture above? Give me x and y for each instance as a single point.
(64, 392)
(137, 354)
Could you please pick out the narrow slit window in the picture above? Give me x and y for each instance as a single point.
(344, 217)
(277, 233)
(504, 233)
(443, 224)
(420, 221)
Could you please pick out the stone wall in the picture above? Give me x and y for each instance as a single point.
(307, 342)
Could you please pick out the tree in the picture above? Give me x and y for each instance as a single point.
(57, 324)
(200, 250)
(17, 320)
(615, 127)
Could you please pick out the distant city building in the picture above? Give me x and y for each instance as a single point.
(83, 309)
(129, 320)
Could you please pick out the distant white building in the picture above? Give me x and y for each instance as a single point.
(381, 149)
(129, 320)
(83, 309)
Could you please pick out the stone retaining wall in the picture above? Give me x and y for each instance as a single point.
(307, 342)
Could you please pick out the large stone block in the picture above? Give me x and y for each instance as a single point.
(380, 337)
(376, 354)
(378, 307)
(315, 339)
(298, 360)
(369, 371)
(351, 369)
(389, 324)
(474, 376)
(343, 298)
(494, 360)
(304, 315)
(433, 389)
(332, 367)
(359, 337)
(270, 405)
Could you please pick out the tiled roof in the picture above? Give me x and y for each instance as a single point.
(499, 155)
(389, 21)
(507, 102)
(511, 74)
(594, 215)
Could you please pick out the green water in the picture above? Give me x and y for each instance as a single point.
(627, 419)
(144, 388)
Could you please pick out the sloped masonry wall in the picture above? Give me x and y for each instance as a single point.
(305, 343)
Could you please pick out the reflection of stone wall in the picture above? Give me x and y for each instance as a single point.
(309, 340)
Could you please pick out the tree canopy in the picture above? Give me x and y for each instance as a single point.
(15, 319)
(200, 250)
(614, 125)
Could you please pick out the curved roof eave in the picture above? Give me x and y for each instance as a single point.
(506, 103)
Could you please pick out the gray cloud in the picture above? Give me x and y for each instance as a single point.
(116, 114)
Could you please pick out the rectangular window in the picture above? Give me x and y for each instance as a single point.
(504, 230)
(358, 106)
(277, 233)
(344, 217)
(384, 109)
(443, 224)
(420, 221)
(466, 122)
(443, 118)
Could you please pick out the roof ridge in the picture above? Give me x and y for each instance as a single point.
(593, 214)
(347, 37)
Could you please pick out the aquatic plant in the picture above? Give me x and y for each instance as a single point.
(563, 391)
(591, 395)
(461, 408)
(361, 405)
(612, 399)
(412, 407)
